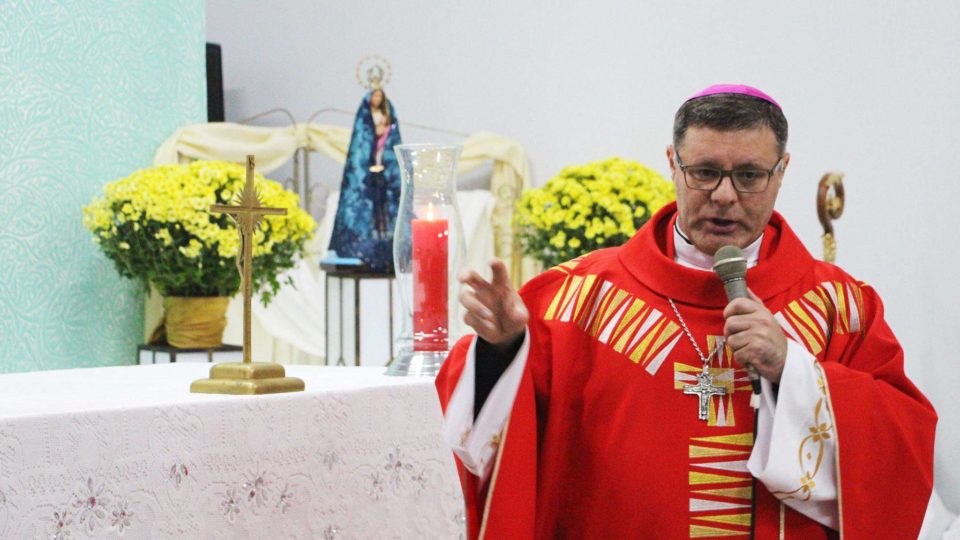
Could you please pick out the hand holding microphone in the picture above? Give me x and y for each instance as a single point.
(757, 341)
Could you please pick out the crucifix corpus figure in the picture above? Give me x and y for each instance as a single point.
(247, 216)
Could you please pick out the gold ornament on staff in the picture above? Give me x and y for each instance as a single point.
(247, 377)
(829, 208)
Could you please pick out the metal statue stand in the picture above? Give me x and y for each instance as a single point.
(247, 377)
(829, 208)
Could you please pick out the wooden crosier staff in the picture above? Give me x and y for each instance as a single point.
(247, 215)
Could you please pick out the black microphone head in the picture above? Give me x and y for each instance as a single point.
(730, 264)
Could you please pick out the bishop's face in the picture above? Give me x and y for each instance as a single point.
(725, 216)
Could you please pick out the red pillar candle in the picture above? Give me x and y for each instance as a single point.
(430, 319)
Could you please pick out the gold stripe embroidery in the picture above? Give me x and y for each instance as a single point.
(586, 291)
(814, 329)
(668, 332)
(836, 442)
(725, 357)
(823, 325)
(740, 439)
(700, 531)
(830, 309)
(813, 296)
(801, 315)
(592, 324)
(783, 516)
(552, 310)
(812, 344)
(697, 478)
(629, 332)
(841, 303)
(636, 306)
(745, 492)
(858, 301)
(626, 323)
(590, 307)
(732, 519)
(493, 480)
(567, 266)
(570, 296)
(616, 301)
(639, 349)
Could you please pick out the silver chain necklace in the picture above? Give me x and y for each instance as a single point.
(704, 389)
(704, 359)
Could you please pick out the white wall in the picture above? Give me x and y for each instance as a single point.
(870, 89)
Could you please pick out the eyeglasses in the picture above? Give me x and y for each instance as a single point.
(744, 180)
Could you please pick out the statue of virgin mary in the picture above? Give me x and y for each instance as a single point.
(370, 189)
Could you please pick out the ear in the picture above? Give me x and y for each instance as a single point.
(786, 161)
(671, 160)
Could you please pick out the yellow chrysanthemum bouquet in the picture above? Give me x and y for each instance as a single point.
(155, 225)
(586, 207)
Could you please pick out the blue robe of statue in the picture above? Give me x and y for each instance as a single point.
(368, 203)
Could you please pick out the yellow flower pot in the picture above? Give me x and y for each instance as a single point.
(195, 322)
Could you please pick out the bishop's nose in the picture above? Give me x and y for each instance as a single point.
(724, 194)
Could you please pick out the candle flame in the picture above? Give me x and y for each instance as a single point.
(430, 211)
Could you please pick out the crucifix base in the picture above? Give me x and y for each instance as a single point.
(247, 378)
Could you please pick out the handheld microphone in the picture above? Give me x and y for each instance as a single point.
(731, 267)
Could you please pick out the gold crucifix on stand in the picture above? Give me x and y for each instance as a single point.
(247, 377)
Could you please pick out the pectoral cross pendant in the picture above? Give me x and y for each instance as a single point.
(704, 389)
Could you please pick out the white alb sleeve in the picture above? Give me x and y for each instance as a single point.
(476, 442)
(795, 451)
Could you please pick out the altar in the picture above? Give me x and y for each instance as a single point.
(102, 452)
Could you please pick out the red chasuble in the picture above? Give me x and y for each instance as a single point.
(603, 443)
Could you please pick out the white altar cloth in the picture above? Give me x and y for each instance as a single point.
(128, 452)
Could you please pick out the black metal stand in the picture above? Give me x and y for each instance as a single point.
(163, 354)
(357, 278)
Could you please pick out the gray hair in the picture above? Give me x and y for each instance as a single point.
(730, 112)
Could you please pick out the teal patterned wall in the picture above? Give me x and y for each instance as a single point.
(88, 90)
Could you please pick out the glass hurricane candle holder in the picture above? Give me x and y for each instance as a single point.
(428, 250)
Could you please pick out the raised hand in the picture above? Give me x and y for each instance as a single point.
(494, 309)
(755, 337)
